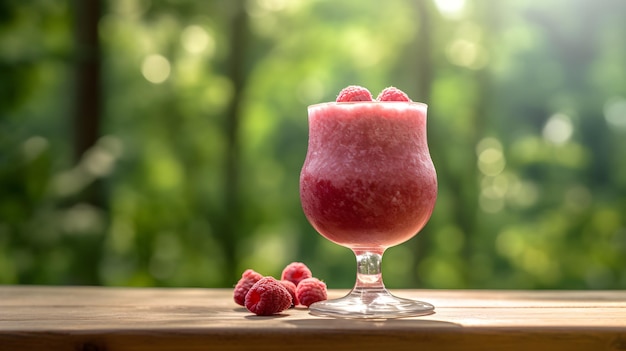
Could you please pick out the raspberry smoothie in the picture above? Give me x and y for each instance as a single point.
(368, 180)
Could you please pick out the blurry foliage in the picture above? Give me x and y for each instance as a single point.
(527, 128)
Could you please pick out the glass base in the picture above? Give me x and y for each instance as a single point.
(368, 303)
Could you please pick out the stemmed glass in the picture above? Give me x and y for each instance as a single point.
(368, 183)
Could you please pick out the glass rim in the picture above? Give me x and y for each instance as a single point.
(373, 102)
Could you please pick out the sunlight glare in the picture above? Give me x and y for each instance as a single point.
(450, 8)
(155, 68)
(491, 161)
(615, 113)
(196, 39)
(558, 129)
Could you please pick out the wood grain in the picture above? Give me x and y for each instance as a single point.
(98, 319)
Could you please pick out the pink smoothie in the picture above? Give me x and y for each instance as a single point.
(368, 180)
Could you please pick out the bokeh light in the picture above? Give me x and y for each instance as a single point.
(155, 68)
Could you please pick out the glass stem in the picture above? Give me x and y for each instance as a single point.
(369, 272)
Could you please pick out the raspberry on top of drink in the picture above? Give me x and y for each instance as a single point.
(355, 93)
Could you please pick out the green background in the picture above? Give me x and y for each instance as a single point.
(159, 143)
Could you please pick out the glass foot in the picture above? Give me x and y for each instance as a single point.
(372, 304)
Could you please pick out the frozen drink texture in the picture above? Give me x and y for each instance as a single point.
(368, 180)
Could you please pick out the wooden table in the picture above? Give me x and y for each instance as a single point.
(111, 319)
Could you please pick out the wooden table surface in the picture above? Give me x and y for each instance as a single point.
(111, 319)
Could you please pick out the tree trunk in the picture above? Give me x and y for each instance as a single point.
(236, 71)
(88, 89)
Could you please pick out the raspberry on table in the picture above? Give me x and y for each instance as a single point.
(392, 94)
(311, 290)
(267, 297)
(291, 287)
(248, 278)
(354, 93)
(295, 272)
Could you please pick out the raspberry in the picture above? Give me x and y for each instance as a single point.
(267, 297)
(248, 278)
(354, 93)
(311, 290)
(295, 272)
(392, 94)
(291, 288)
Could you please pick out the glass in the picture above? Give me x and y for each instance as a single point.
(368, 183)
